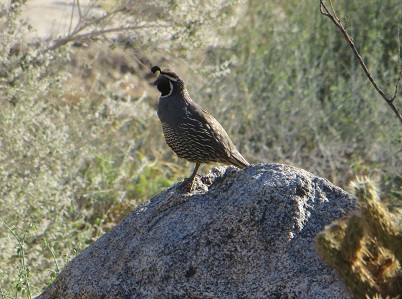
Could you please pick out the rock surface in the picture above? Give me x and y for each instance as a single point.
(240, 234)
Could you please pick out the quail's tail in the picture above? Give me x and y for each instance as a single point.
(237, 160)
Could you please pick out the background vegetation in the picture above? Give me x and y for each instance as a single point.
(81, 145)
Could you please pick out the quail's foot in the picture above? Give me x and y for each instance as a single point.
(186, 185)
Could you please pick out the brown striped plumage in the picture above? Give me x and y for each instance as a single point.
(190, 131)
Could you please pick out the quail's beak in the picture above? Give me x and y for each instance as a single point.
(157, 81)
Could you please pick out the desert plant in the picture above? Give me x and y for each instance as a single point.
(365, 248)
(22, 282)
(75, 158)
(299, 96)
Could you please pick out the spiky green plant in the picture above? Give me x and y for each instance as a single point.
(365, 248)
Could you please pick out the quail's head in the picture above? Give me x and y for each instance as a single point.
(167, 82)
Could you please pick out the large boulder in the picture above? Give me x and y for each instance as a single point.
(239, 234)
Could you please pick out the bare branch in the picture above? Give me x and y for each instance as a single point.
(83, 25)
(333, 9)
(79, 10)
(93, 34)
(71, 18)
(332, 16)
(400, 69)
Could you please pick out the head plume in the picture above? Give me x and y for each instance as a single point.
(168, 74)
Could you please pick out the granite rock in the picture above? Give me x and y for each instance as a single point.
(240, 234)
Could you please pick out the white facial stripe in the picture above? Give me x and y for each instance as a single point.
(170, 77)
(170, 92)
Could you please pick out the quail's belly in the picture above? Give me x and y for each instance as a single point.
(192, 145)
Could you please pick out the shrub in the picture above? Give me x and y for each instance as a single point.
(80, 143)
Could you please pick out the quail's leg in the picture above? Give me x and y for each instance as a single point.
(188, 183)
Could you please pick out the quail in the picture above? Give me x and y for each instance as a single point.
(190, 131)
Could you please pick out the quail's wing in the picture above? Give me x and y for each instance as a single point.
(216, 138)
(209, 131)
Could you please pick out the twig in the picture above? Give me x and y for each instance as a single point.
(81, 26)
(324, 11)
(79, 10)
(400, 65)
(54, 257)
(21, 256)
(76, 37)
(71, 18)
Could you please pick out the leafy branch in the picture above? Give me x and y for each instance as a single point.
(331, 14)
